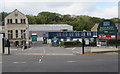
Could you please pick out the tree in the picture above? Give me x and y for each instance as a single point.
(31, 19)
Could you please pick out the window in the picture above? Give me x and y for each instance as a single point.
(65, 34)
(23, 34)
(16, 20)
(94, 34)
(10, 34)
(16, 33)
(10, 21)
(77, 34)
(23, 21)
(88, 33)
(82, 33)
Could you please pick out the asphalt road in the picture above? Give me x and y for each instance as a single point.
(36, 60)
(47, 63)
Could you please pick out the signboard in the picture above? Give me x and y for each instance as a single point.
(98, 44)
(101, 43)
(107, 36)
(87, 41)
(107, 30)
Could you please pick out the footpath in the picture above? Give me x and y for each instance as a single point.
(104, 49)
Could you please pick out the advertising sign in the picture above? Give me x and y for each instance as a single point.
(107, 30)
(107, 36)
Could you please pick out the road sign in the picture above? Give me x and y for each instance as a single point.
(107, 30)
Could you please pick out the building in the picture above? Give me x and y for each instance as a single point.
(16, 28)
(39, 29)
(0, 27)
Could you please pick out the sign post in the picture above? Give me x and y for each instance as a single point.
(107, 30)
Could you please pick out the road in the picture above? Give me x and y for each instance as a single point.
(43, 58)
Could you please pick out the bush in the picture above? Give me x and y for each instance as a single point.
(93, 44)
(71, 44)
(112, 42)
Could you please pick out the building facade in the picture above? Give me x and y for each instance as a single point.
(16, 28)
(40, 29)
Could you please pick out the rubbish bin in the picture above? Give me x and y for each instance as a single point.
(25, 47)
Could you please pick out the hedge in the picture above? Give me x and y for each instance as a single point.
(112, 42)
(71, 44)
(93, 44)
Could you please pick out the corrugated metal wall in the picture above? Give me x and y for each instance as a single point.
(49, 27)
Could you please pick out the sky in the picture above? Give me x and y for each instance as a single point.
(95, 8)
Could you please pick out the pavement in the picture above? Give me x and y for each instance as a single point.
(44, 49)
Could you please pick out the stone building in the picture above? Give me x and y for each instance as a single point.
(16, 28)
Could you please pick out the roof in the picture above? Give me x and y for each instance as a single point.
(49, 25)
(15, 11)
(94, 28)
(52, 27)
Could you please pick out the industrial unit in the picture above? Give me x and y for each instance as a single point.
(37, 30)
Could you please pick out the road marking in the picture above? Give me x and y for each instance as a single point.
(14, 49)
(0, 62)
(73, 48)
(19, 62)
(42, 56)
(71, 61)
(40, 60)
(15, 62)
(23, 62)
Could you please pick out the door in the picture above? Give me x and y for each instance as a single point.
(34, 37)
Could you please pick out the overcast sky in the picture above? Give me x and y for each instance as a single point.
(97, 8)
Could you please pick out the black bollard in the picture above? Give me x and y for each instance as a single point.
(83, 45)
(8, 45)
